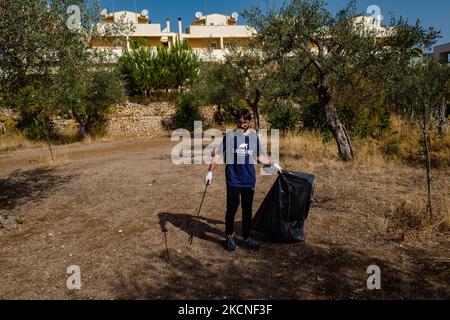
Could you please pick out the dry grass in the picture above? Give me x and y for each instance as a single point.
(403, 213)
(404, 144)
(410, 221)
(401, 146)
(309, 148)
(59, 160)
(17, 141)
(130, 136)
(306, 148)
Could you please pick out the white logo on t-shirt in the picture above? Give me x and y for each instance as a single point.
(243, 149)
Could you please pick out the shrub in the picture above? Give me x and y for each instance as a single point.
(283, 116)
(404, 143)
(139, 43)
(313, 118)
(183, 65)
(231, 111)
(408, 220)
(365, 121)
(146, 71)
(103, 90)
(391, 147)
(7, 124)
(35, 114)
(187, 111)
(360, 121)
(88, 98)
(140, 71)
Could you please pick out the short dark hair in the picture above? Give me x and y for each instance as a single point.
(244, 113)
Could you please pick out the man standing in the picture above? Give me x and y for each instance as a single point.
(240, 148)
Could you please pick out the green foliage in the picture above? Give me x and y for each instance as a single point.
(88, 97)
(104, 89)
(360, 120)
(35, 38)
(46, 54)
(139, 43)
(183, 65)
(236, 83)
(283, 116)
(230, 111)
(35, 114)
(418, 91)
(25, 43)
(363, 121)
(391, 147)
(187, 111)
(146, 70)
(312, 115)
(163, 60)
(213, 86)
(161, 111)
(313, 51)
(140, 71)
(313, 118)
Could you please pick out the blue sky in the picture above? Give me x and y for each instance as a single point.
(434, 13)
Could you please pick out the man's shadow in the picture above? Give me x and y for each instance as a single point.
(200, 227)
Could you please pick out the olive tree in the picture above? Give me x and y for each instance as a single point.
(418, 92)
(46, 45)
(312, 49)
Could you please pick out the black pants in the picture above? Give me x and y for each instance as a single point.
(234, 196)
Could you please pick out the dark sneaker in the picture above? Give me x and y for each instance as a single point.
(230, 244)
(251, 244)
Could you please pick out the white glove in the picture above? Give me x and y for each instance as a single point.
(277, 167)
(208, 177)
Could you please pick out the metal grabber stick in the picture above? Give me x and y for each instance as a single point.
(191, 237)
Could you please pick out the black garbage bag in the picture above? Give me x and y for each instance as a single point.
(283, 212)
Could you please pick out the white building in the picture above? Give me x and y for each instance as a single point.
(209, 35)
(373, 24)
(213, 34)
(141, 28)
(442, 52)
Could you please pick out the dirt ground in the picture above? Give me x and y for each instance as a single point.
(122, 212)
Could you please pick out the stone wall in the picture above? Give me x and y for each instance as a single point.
(136, 124)
(129, 119)
(132, 119)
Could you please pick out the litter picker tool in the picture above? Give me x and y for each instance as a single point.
(191, 237)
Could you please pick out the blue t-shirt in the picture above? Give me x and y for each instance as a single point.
(240, 153)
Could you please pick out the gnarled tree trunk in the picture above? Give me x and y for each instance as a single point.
(84, 131)
(337, 127)
(253, 104)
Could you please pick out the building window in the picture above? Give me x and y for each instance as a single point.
(213, 45)
(230, 44)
